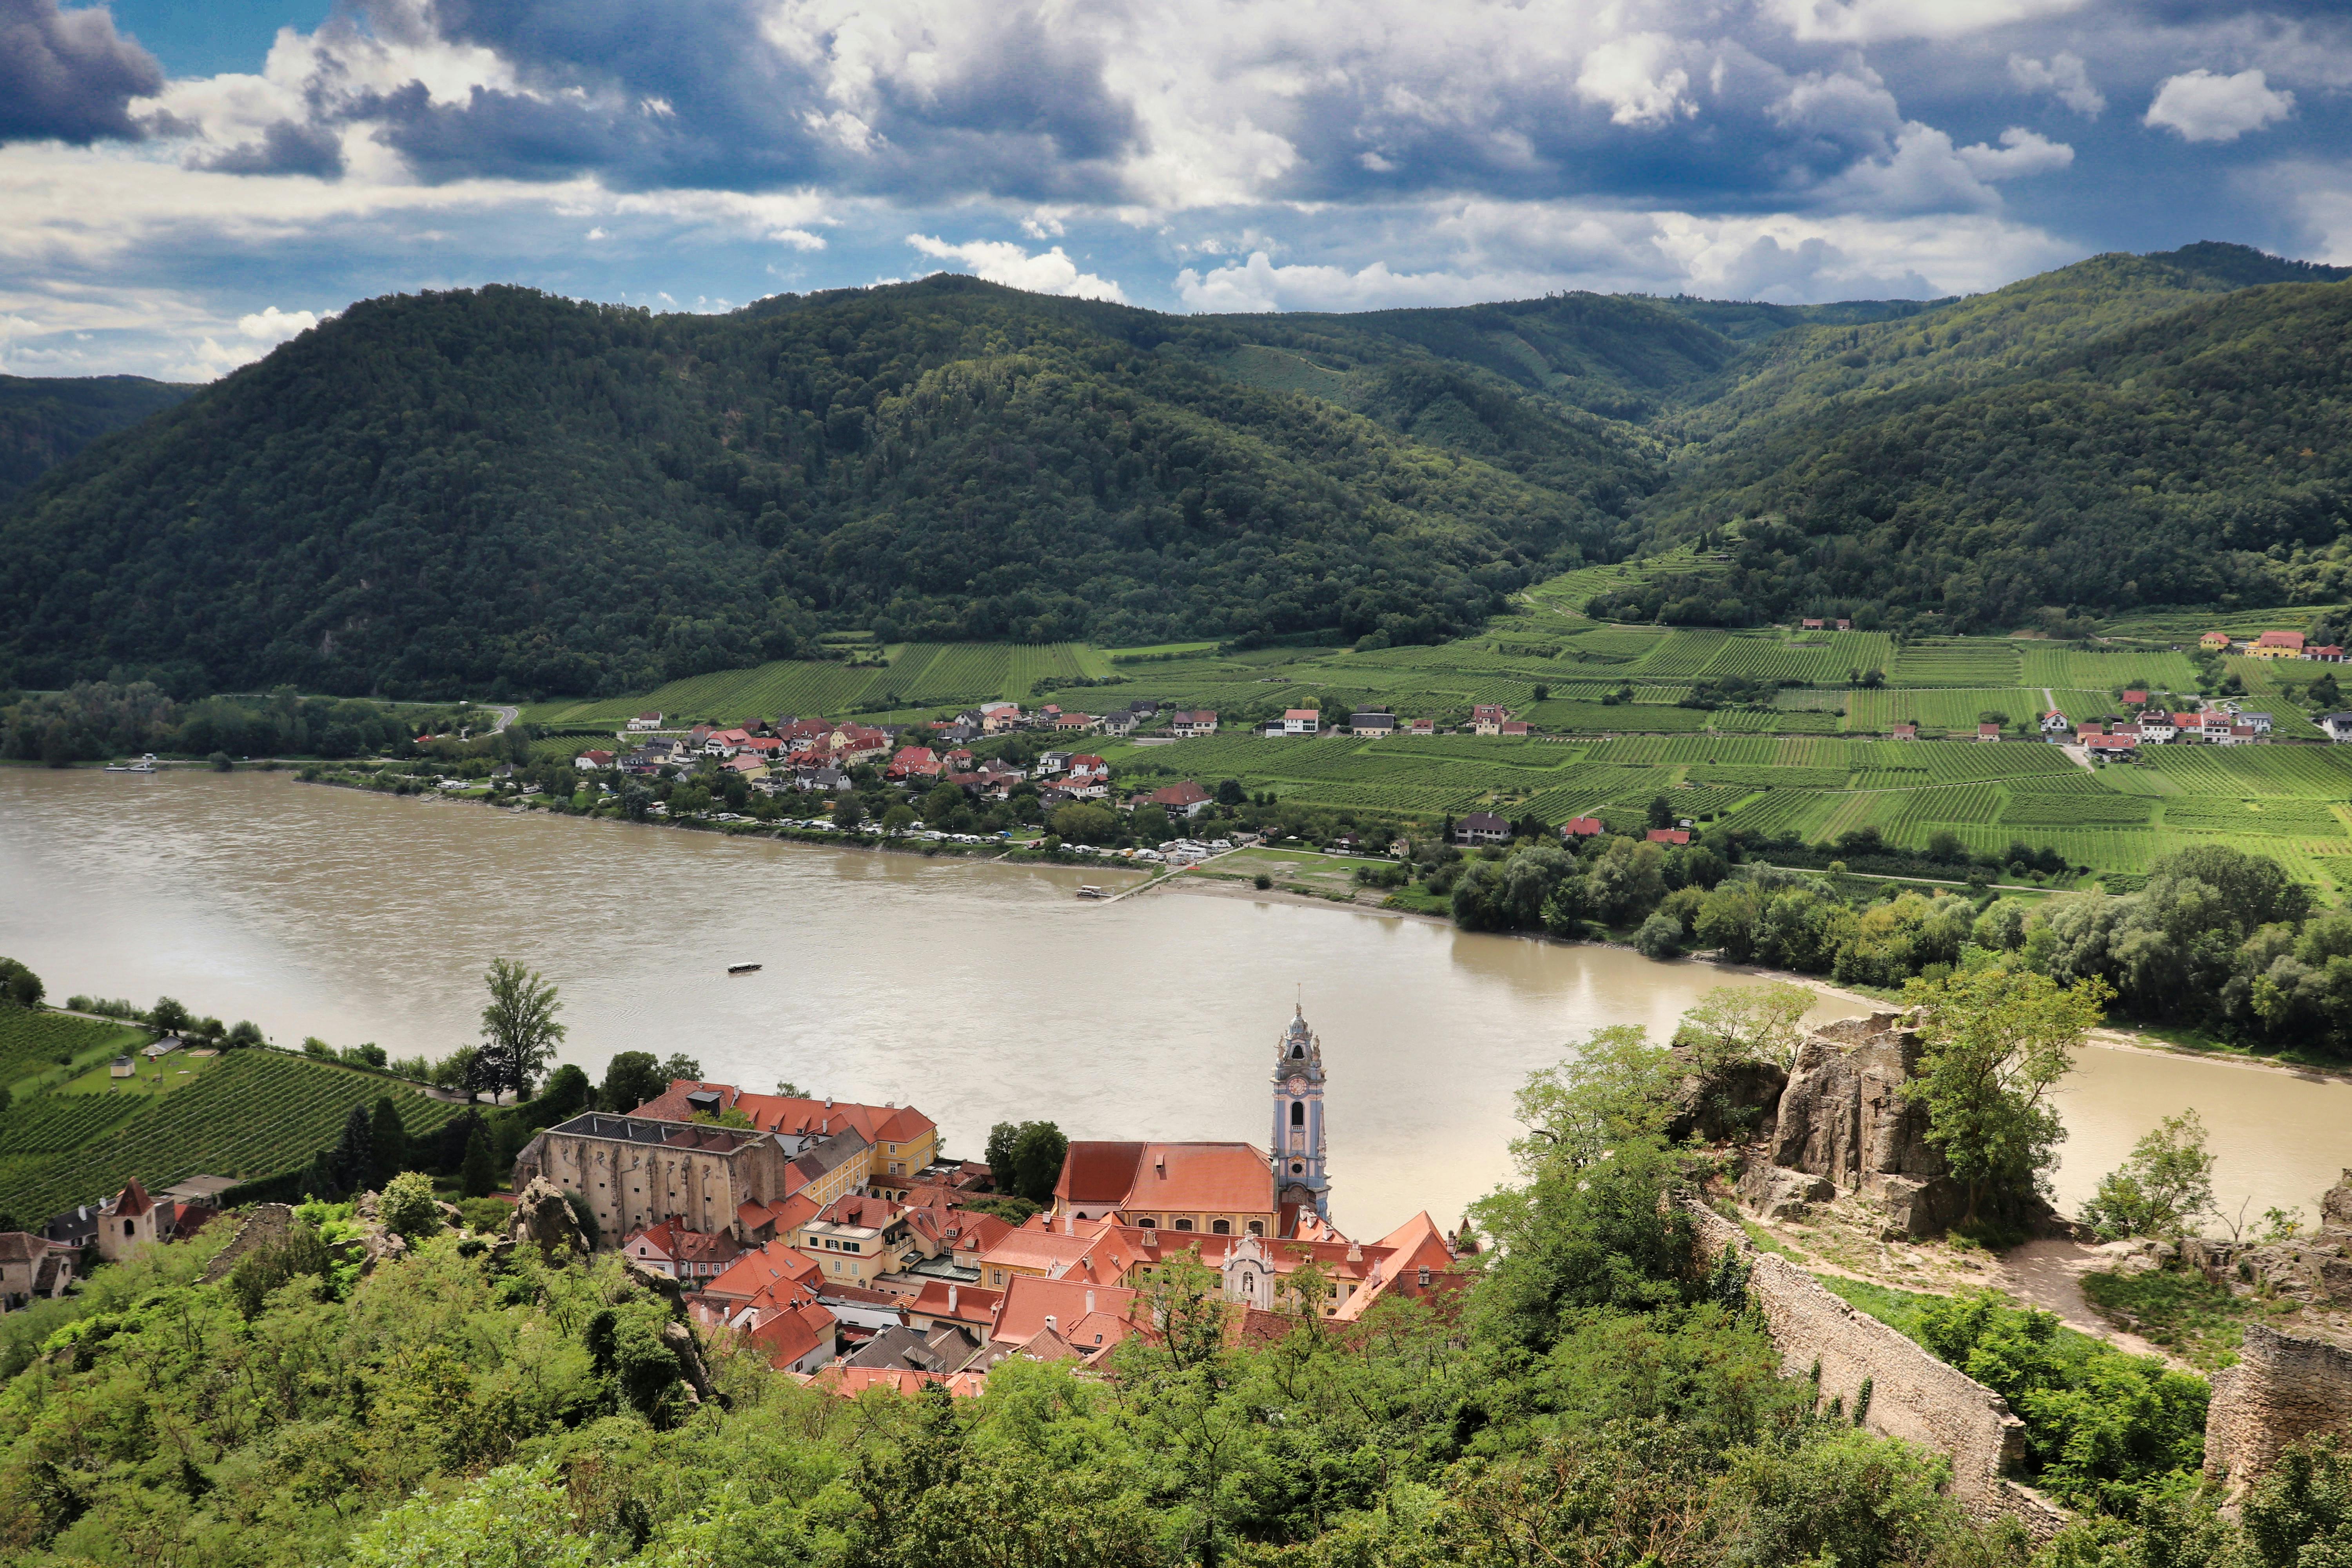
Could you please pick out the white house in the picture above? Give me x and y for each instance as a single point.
(2157, 728)
(1300, 722)
(647, 721)
(2055, 723)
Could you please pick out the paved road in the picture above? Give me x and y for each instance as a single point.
(505, 717)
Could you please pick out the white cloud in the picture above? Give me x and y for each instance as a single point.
(2203, 107)
(2063, 77)
(2021, 153)
(1257, 285)
(273, 326)
(1866, 21)
(1001, 261)
(1631, 76)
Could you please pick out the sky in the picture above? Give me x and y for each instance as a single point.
(185, 183)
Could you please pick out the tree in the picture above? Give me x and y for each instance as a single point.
(1149, 824)
(847, 812)
(1661, 812)
(1994, 1042)
(347, 1166)
(477, 1177)
(898, 819)
(19, 986)
(387, 1144)
(518, 1028)
(1746, 1024)
(567, 1091)
(1081, 823)
(245, 1033)
(1037, 1157)
(1661, 936)
(679, 1065)
(406, 1207)
(631, 1079)
(1617, 1087)
(2162, 1189)
(1230, 793)
(167, 1016)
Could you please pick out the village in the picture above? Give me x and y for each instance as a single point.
(840, 1240)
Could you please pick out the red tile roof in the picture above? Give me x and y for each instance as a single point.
(1669, 835)
(1583, 827)
(1029, 1302)
(131, 1202)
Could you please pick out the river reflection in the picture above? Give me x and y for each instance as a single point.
(982, 993)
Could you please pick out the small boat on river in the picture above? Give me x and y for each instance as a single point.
(742, 969)
(1088, 890)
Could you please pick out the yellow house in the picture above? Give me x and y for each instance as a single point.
(2277, 645)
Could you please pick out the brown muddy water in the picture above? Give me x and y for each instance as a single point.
(978, 992)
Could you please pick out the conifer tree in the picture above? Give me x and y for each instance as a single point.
(388, 1143)
(479, 1177)
(348, 1164)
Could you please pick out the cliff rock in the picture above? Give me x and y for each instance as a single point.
(544, 1217)
(1843, 1118)
(1732, 1104)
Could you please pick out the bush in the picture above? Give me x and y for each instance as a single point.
(408, 1208)
(1661, 936)
(490, 1216)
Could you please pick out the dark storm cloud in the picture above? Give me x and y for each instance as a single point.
(68, 75)
(285, 148)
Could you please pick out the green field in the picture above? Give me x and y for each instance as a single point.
(253, 1113)
(1614, 729)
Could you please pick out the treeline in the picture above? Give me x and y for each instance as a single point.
(44, 422)
(2215, 938)
(93, 719)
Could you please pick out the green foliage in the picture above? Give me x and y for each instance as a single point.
(518, 1029)
(2163, 1189)
(631, 1079)
(45, 422)
(406, 1207)
(479, 1176)
(101, 719)
(2102, 1428)
(1024, 1159)
(19, 986)
(1993, 1044)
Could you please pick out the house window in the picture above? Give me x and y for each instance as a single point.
(130, 1228)
(1183, 1225)
(1147, 1223)
(1221, 1226)
(1257, 1227)
(1424, 1276)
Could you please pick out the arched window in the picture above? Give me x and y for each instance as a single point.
(1297, 1051)
(1221, 1227)
(1183, 1225)
(1257, 1227)
(1297, 1113)
(1146, 1223)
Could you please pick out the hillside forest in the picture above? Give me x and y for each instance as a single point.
(500, 492)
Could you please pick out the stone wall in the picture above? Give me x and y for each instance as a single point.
(2284, 1387)
(268, 1226)
(1911, 1394)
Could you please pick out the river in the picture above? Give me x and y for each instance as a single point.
(979, 992)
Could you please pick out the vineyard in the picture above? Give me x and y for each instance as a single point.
(254, 1114)
(31, 1041)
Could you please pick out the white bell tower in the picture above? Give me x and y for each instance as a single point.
(1296, 1150)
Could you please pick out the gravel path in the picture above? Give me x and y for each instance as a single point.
(2049, 1275)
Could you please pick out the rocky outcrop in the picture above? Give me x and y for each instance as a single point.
(1843, 1118)
(544, 1217)
(2284, 1388)
(1776, 1194)
(1735, 1103)
(2313, 1269)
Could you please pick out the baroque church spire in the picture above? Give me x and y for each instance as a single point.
(1297, 1151)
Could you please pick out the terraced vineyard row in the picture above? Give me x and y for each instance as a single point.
(253, 1114)
(55, 1123)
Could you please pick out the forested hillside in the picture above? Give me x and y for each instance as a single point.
(44, 422)
(500, 492)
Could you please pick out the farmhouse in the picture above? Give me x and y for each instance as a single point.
(1200, 721)
(2214, 640)
(1906, 731)
(1372, 723)
(2277, 645)
(1297, 722)
(647, 720)
(1482, 827)
(1669, 835)
(1583, 827)
(1988, 732)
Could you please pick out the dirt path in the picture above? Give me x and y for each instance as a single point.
(2048, 1274)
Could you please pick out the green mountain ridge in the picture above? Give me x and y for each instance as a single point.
(501, 491)
(44, 420)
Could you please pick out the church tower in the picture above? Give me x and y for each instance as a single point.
(1299, 1176)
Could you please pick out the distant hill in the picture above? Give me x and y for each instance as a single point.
(43, 422)
(501, 491)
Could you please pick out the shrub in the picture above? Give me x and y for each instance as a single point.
(406, 1207)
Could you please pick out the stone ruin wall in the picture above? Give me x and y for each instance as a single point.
(2284, 1387)
(1912, 1395)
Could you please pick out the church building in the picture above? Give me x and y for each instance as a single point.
(1217, 1189)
